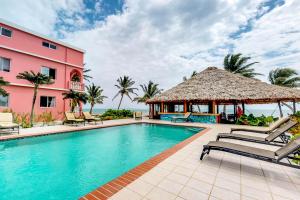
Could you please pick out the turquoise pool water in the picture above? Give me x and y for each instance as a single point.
(67, 166)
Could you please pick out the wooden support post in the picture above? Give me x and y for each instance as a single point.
(280, 109)
(184, 106)
(162, 107)
(213, 105)
(294, 107)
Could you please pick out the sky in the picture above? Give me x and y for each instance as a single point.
(164, 40)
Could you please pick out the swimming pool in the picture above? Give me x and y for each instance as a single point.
(67, 166)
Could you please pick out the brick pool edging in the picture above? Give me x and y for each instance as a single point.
(109, 189)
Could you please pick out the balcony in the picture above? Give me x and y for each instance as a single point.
(76, 85)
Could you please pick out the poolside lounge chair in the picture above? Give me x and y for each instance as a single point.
(276, 124)
(288, 151)
(7, 122)
(138, 115)
(184, 118)
(70, 118)
(270, 139)
(90, 118)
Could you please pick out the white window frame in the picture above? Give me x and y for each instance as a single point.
(50, 68)
(49, 45)
(1, 67)
(6, 29)
(48, 101)
(7, 102)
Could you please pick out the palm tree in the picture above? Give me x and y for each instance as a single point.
(95, 95)
(237, 64)
(193, 74)
(36, 79)
(76, 98)
(3, 83)
(149, 90)
(85, 73)
(286, 77)
(125, 88)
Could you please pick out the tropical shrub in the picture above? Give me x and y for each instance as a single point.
(297, 156)
(45, 117)
(296, 129)
(116, 114)
(251, 120)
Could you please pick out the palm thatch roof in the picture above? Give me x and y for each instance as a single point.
(213, 84)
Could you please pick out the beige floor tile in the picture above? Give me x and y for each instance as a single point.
(199, 185)
(140, 187)
(152, 179)
(159, 194)
(167, 166)
(256, 194)
(284, 189)
(178, 178)
(192, 194)
(229, 185)
(183, 171)
(126, 194)
(224, 194)
(277, 197)
(170, 186)
(257, 183)
(209, 178)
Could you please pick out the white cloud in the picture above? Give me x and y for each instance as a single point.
(40, 15)
(165, 40)
(149, 39)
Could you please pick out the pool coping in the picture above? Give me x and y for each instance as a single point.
(112, 187)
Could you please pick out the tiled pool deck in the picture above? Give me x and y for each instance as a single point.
(179, 174)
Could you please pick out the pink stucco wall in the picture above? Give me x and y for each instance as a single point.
(20, 92)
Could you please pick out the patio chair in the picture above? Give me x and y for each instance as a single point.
(184, 118)
(90, 118)
(289, 151)
(276, 124)
(7, 122)
(70, 118)
(270, 139)
(138, 115)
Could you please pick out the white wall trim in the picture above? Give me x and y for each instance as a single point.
(38, 56)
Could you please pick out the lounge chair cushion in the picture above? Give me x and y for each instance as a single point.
(6, 117)
(241, 136)
(88, 116)
(288, 149)
(8, 125)
(244, 149)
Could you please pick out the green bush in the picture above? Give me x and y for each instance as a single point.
(116, 114)
(251, 120)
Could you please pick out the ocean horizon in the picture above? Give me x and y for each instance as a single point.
(255, 112)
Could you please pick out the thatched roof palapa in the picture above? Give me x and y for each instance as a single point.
(213, 84)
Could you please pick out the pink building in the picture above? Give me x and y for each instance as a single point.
(24, 50)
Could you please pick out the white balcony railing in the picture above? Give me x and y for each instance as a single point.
(76, 85)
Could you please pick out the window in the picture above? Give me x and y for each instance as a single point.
(49, 45)
(3, 101)
(49, 72)
(5, 32)
(47, 102)
(4, 64)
